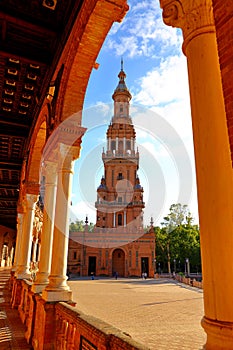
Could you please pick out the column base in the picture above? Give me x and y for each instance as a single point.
(38, 288)
(41, 282)
(219, 334)
(52, 295)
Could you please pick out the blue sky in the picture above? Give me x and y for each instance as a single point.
(156, 72)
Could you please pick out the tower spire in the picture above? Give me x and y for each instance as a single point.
(122, 64)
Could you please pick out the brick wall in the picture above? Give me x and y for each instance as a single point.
(224, 29)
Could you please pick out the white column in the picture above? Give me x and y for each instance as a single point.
(47, 230)
(58, 289)
(132, 144)
(18, 240)
(124, 144)
(114, 219)
(116, 143)
(26, 241)
(125, 218)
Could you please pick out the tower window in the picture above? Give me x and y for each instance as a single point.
(119, 199)
(120, 176)
(119, 219)
(113, 145)
(75, 255)
(121, 108)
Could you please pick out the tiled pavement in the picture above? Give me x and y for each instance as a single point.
(161, 314)
(11, 327)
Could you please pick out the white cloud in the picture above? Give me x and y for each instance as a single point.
(82, 209)
(143, 33)
(164, 84)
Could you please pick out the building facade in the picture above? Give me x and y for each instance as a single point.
(118, 244)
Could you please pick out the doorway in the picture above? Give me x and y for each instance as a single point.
(118, 262)
(145, 265)
(92, 265)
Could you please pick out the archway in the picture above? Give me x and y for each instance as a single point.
(118, 262)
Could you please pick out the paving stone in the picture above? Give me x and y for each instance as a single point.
(161, 313)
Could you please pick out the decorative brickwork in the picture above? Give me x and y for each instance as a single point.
(224, 30)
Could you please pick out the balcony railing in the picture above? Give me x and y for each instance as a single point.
(75, 330)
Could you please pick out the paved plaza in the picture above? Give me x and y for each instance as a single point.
(162, 313)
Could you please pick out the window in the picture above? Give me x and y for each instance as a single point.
(119, 219)
(119, 199)
(75, 255)
(113, 145)
(120, 176)
(121, 108)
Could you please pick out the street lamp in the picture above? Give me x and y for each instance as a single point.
(174, 265)
(186, 266)
(155, 265)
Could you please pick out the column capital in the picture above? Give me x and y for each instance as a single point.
(68, 134)
(67, 155)
(50, 172)
(194, 17)
(31, 200)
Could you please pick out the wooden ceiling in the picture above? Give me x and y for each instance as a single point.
(33, 34)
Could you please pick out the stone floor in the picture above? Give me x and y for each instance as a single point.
(11, 327)
(162, 314)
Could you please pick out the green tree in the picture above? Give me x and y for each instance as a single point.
(178, 240)
(79, 226)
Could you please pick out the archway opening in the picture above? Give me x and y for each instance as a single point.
(118, 262)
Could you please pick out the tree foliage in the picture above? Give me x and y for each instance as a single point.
(79, 226)
(177, 240)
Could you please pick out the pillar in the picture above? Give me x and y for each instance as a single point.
(58, 289)
(23, 255)
(47, 230)
(213, 164)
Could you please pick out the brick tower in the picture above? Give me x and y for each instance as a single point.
(120, 195)
(118, 244)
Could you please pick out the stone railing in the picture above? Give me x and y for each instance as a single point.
(190, 281)
(75, 330)
(186, 280)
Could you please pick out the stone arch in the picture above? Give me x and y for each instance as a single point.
(84, 46)
(36, 147)
(118, 262)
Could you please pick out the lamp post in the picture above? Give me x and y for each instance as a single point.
(186, 266)
(174, 261)
(155, 266)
